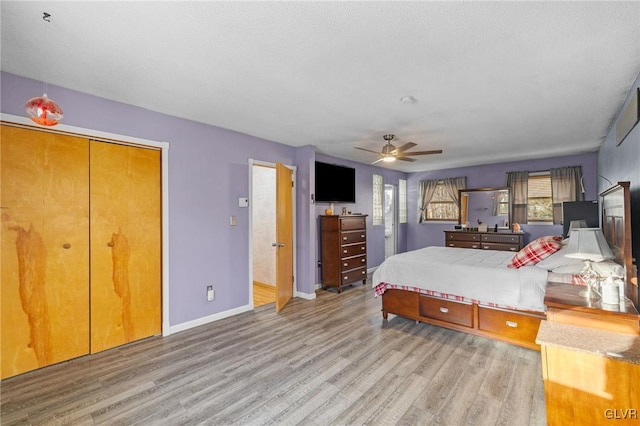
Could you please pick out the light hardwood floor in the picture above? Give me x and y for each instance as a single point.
(332, 360)
(263, 294)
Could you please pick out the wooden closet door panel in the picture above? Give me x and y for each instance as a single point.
(44, 239)
(125, 244)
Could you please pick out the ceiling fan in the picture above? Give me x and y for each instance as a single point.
(391, 153)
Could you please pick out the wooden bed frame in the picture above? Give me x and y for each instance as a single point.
(515, 326)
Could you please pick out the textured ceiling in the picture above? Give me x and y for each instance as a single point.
(494, 81)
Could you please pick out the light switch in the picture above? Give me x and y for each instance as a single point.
(232, 221)
(243, 202)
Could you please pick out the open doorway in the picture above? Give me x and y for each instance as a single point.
(263, 202)
(272, 245)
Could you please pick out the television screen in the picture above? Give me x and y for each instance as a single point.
(335, 184)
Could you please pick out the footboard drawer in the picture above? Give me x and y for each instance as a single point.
(446, 310)
(399, 302)
(509, 324)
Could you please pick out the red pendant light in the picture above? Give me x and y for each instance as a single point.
(41, 109)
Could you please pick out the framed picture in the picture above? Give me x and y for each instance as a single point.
(629, 118)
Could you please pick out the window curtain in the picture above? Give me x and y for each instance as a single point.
(518, 183)
(426, 189)
(452, 185)
(566, 185)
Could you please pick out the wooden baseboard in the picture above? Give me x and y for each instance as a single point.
(260, 284)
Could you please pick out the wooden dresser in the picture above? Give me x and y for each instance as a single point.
(503, 241)
(344, 250)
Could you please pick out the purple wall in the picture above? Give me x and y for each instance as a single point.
(204, 187)
(621, 163)
(492, 175)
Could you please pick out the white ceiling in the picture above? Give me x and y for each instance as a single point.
(494, 81)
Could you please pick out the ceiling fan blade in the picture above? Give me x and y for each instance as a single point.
(405, 147)
(368, 150)
(377, 161)
(405, 158)
(435, 151)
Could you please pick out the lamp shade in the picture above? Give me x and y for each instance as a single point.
(576, 224)
(588, 244)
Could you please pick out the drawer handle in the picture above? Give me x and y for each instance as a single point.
(512, 248)
(362, 236)
(452, 245)
(364, 272)
(512, 324)
(346, 264)
(474, 246)
(363, 260)
(344, 251)
(362, 248)
(444, 310)
(346, 278)
(344, 238)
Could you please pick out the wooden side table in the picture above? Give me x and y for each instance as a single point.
(590, 376)
(565, 305)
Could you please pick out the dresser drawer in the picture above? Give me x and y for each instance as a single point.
(500, 238)
(462, 236)
(500, 246)
(353, 262)
(353, 237)
(351, 223)
(509, 324)
(354, 275)
(353, 250)
(464, 244)
(446, 310)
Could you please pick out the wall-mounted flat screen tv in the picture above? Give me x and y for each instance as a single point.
(335, 183)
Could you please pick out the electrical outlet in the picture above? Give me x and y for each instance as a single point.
(210, 293)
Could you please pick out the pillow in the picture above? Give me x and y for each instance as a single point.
(535, 251)
(566, 278)
(604, 268)
(558, 260)
(608, 267)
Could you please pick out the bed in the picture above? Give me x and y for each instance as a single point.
(473, 291)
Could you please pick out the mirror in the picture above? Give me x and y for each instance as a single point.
(486, 206)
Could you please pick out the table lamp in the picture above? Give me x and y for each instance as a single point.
(589, 245)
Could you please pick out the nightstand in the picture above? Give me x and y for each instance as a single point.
(564, 305)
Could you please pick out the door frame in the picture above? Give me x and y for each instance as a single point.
(294, 169)
(132, 141)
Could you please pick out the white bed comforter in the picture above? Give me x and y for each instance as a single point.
(479, 275)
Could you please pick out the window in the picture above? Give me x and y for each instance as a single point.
(539, 202)
(502, 203)
(377, 200)
(442, 206)
(402, 201)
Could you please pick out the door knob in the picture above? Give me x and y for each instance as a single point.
(66, 246)
(277, 244)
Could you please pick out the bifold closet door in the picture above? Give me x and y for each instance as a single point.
(44, 238)
(125, 206)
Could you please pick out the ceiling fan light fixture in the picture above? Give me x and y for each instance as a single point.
(389, 159)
